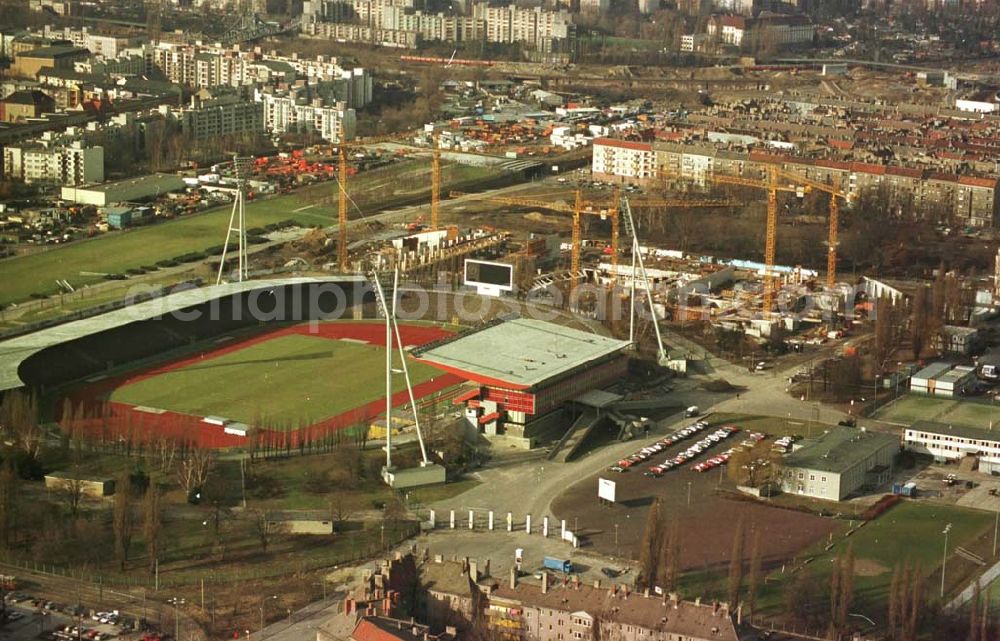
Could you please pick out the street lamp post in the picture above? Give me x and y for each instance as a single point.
(944, 559)
(263, 602)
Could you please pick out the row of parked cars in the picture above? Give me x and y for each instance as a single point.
(650, 450)
(695, 451)
(73, 633)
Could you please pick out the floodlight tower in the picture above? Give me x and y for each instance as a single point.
(237, 220)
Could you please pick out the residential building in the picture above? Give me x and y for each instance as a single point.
(950, 443)
(97, 44)
(28, 63)
(839, 463)
(25, 104)
(73, 164)
(553, 610)
(208, 67)
(297, 111)
(691, 42)
(766, 30)
(540, 29)
(362, 33)
(208, 117)
(954, 339)
(934, 194)
(623, 160)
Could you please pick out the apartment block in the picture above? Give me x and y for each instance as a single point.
(623, 160)
(72, 164)
(208, 117)
(741, 31)
(934, 194)
(296, 111)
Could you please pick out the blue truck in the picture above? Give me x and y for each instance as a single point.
(559, 565)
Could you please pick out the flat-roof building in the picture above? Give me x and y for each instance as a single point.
(524, 369)
(946, 442)
(839, 463)
(122, 191)
(941, 379)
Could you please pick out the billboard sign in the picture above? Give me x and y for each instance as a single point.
(488, 277)
(606, 490)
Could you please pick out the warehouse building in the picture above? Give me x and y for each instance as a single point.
(525, 370)
(955, 442)
(839, 463)
(130, 190)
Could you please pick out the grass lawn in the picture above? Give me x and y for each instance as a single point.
(115, 252)
(910, 532)
(971, 414)
(772, 425)
(286, 381)
(910, 408)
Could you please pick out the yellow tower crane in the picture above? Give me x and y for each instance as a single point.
(342, 163)
(834, 218)
(435, 184)
(581, 208)
(770, 240)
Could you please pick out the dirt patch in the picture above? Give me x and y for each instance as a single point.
(707, 520)
(868, 567)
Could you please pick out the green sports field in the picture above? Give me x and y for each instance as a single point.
(910, 408)
(286, 382)
(83, 262)
(910, 532)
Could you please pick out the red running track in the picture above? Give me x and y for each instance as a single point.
(114, 420)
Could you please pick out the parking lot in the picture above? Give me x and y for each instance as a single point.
(707, 517)
(30, 618)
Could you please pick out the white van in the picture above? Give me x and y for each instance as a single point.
(692, 411)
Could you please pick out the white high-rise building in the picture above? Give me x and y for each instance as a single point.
(73, 164)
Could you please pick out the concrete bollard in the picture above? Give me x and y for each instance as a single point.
(545, 526)
(472, 519)
(490, 521)
(453, 519)
(510, 522)
(527, 524)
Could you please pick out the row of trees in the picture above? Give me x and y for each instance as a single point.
(659, 551)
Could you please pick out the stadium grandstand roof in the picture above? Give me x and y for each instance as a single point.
(16, 350)
(519, 353)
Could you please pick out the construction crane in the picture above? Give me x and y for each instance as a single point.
(342, 148)
(581, 208)
(435, 183)
(834, 219)
(772, 187)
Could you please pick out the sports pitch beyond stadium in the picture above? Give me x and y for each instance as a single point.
(299, 383)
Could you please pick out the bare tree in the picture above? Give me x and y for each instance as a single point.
(123, 519)
(920, 321)
(9, 503)
(152, 523)
(263, 530)
(889, 321)
(753, 581)
(736, 565)
(166, 452)
(193, 470)
(649, 547)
